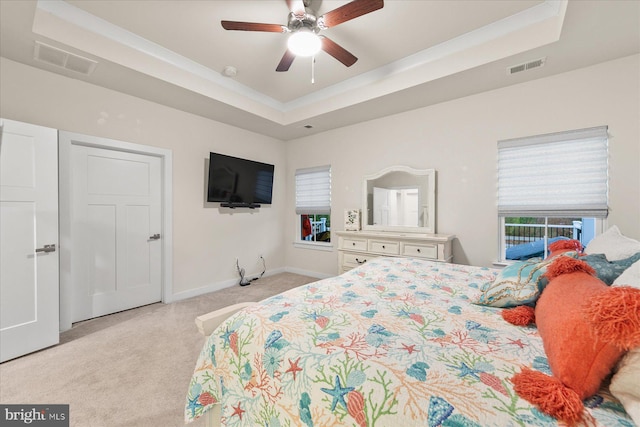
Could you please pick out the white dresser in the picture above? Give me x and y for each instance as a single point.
(357, 247)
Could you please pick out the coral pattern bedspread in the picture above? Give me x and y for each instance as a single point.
(395, 342)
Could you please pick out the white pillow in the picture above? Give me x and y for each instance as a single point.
(624, 384)
(613, 245)
(629, 277)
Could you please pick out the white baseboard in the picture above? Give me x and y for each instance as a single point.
(308, 273)
(233, 282)
(201, 290)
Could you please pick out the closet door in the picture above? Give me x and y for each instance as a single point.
(116, 230)
(29, 272)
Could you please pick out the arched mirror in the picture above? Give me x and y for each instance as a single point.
(401, 199)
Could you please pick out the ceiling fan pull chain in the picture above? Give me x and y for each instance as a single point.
(313, 69)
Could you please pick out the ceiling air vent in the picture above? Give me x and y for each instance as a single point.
(61, 58)
(526, 66)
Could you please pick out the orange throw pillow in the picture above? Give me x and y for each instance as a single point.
(585, 327)
(577, 358)
(561, 246)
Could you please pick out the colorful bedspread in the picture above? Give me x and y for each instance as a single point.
(394, 342)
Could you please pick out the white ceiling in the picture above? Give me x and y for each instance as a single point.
(410, 53)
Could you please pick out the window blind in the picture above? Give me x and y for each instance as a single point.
(559, 174)
(313, 190)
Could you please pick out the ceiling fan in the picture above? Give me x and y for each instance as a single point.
(303, 23)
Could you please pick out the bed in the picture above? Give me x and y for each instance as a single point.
(395, 342)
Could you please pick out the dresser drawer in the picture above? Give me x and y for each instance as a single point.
(354, 260)
(383, 247)
(354, 244)
(422, 251)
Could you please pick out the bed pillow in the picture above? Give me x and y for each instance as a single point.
(613, 244)
(519, 283)
(608, 271)
(573, 356)
(624, 384)
(629, 277)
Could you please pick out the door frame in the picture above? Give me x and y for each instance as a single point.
(65, 141)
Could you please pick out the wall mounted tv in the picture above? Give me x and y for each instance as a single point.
(239, 183)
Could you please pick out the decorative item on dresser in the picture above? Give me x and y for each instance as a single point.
(352, 220)
(357, 247)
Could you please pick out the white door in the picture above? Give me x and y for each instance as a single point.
(410, 198)
(29, 269)
(116, 222)
(380, 206)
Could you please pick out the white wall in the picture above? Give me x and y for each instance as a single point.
(458, 139)
(206, 241)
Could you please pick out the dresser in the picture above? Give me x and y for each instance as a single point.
(357, 247)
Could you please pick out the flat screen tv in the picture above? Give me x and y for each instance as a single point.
(236, 182)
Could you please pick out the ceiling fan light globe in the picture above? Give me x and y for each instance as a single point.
(304, 43)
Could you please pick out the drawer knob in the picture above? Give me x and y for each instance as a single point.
(353, 243)
(383, 247)
(418, 250)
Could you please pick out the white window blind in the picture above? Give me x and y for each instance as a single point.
(559, 174)
(313, 190)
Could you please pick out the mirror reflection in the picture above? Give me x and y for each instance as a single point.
(400, 199)
(396, 206)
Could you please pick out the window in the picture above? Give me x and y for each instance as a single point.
(313, 205)
(551, 187)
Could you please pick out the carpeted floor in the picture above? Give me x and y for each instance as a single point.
(130, 368)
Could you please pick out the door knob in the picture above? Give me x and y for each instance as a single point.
(47, 248)
(154, 237)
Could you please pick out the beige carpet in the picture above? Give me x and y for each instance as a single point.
(130, 368)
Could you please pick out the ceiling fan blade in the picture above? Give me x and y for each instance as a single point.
(253, 26)
(286, 61)
(350, 11)
(338, 52)
(296, 7)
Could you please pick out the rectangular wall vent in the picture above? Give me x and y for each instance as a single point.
(62, 58)
(526, 66)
